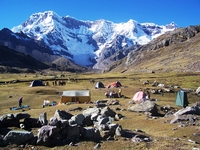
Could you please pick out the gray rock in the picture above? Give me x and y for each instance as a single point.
(73, 133)
(54, 122)
(103, 127)
(62, 115)
(3, 118)
(106, 111)
(58, 123)
(43, 119)
(116, 129)
(78, 119)
(188, 110)
(146, 106)
(119, 131)
(11, 123)
(107, 133)
(137, 139)
(31, 123)
(104, 120)
(46, 134)
(90, 111)
(94, 116)
(64, 124)
(20, 116)
(118, 116)
(18, 137)
(87, 121)
(9, 120)
(91, 133)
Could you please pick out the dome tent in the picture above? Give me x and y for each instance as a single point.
(139, 97)
(99, 85)
(36, 83)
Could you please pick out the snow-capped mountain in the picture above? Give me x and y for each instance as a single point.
(89, 43)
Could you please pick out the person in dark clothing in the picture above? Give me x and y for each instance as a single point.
(20, 101)
(147, 95)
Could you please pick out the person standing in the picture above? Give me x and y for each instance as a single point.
(20, 101)
(120, 92)
(147, 95)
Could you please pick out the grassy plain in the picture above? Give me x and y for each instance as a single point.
(160, 130)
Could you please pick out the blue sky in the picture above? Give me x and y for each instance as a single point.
(161, 12)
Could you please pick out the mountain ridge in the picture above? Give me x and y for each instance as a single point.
(21, 43)
(177, 51)
(13, 61)
(88, 43)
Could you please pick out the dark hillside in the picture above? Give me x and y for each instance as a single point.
(23, 44)
(11, 58)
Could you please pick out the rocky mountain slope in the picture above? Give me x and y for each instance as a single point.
(89, 43)
(22, 43)
(64, 43)
(174, 51)
(34, 50)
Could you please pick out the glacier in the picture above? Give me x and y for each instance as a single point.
(88, 41)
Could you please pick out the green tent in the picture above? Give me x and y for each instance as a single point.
(181, 98)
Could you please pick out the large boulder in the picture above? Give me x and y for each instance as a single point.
(73, 134)
(43, 119)
(46, 135)
(119, 131)
(58, 123)
(187, 116)
(90, 111)
(188, 110)
(31, 122)
(62, 115)
(20, 116)
(106, 111)
(146, 106)
(92, 134)
(88, 121)
(9, 120)
(18, 137)
(54, 122)
(78, 119)
(11, 123)
(116, 129)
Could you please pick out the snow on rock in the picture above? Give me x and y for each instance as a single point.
(87, 40)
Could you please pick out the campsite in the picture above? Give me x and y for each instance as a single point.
(83, 94)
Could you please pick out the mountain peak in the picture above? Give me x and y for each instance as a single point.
(45, 14)
(89, 40)
(39, 23)
(172, 26)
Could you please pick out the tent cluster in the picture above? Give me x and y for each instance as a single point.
(110, 85)
(83, 96)
(181, 98)
(114, 84)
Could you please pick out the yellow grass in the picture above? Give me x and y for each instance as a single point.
(159, 129)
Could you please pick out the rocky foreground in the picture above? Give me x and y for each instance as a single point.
(91, 124)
